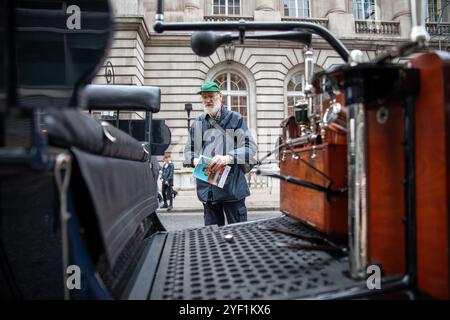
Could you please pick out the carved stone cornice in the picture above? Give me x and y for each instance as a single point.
(133, 23)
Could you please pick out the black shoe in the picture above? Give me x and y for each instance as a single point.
(174, 194)
(164, 206)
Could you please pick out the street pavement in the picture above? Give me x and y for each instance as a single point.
(260, 199)
(187, 210)
(186, 220)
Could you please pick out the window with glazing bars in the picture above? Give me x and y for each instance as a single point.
(434, 10)
(364, 9)
(235, 93)
(294, 90)
(296, 8)
(226, 7)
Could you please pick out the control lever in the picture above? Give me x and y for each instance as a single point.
(310, 247)
(315, 240)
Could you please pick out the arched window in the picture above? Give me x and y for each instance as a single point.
(294, 89)
(235, 93)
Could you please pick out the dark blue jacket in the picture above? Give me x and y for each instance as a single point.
(205, 139)
(167, 173)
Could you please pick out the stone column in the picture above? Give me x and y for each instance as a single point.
(265, 11)
(193, 11)
(340, 22)
(402, 13)
(336, 6)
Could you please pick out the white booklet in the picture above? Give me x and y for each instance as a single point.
(201, 172)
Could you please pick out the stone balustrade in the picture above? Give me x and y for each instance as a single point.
(320, 21)
(377, 27)
(438, 29)
(227, 18)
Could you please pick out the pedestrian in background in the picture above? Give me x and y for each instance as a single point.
(167, 182)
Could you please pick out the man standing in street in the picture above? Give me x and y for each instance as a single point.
(167, 182)
(223, 136)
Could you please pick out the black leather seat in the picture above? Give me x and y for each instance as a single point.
(111, 196)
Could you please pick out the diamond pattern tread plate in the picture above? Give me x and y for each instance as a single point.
(201, 264)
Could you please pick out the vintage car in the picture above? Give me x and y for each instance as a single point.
(78, 196)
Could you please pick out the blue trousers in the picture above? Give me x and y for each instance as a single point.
(215, 212)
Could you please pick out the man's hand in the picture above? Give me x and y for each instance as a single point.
(218, 162)
(196, 160)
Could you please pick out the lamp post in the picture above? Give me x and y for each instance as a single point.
(188, 108)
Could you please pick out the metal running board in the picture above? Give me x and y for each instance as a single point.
(140, 285)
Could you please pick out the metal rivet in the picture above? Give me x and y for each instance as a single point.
(228, 237)
(382, 115)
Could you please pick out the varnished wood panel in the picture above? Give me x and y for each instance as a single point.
(386, 192)
(312, 206)
(432, 179)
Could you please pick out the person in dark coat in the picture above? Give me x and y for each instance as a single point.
(223, 136)
(156, 168)
(167, 182)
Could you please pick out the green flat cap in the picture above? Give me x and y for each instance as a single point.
(209, 86)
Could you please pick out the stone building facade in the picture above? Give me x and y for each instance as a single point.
(260, 78)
